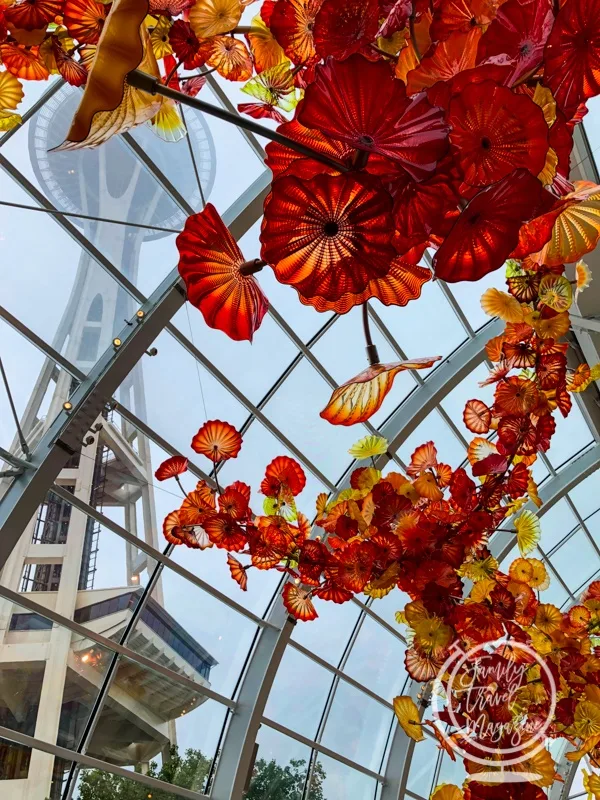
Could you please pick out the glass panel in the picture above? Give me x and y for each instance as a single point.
(451, 771)
(314, 684)
(280, 768)
(357, 726)
(295, 411)
(422, 767)
(585, 495)
(572, 435)
(24, 770)
(188, 771)
(376, 659)
(420, 334)
(556, 524)
(340, 782)
(328, 635)
(148, 722)
(49, 676)
(193, 633)
(576, 560)
(386, 607)
(253, 367)
(468, 296)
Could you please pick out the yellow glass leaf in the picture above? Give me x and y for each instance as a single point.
(408, 716)
(543, 98)
(587, 719)
(577, 228)
(160, 38)
(480, 569)
(210, 17)
(167, 123)
(11, 91)
(552, 328)
(367, 478)
(403, 486)
(9, 120)
(580, 379)
(501, 304)
(321, 504)
(265, 48)
(540, 764)
(382, 586)
(583, 275)
(274, 86)
(528, 530)
(555, 292)
(109, 104)
(400, 618)
(591, 783)
(447, 791)
(548, 173)
(540, 642)
(532, 492)
(369, 447)
(392, 44)
(482, 590)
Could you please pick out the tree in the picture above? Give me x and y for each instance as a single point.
(270, 781)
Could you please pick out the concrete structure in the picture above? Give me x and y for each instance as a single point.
(49, 676)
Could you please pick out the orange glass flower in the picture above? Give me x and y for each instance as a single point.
(85, 19)
(329, 236)
(210, 262)
(24, 62)
(352, 100)
(176, 465)
(283, 473)
(238, 573)
(297, 601)
(292, 24)
(360, 397)
(217, 440)
(32, 15)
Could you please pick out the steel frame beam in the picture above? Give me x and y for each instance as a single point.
(95, 763)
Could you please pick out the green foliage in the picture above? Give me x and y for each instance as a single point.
(270, 781)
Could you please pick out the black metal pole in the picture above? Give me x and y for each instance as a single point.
(152, 85)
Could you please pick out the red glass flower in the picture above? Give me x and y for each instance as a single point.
(488, 229)
(494, 131)
(344, 27)
(210, 264)
(328, 236)
(85, 19)
(352, 100)
(31, 15)
(519, 31)
(572, 55)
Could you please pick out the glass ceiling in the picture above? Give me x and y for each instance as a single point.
(340, 733)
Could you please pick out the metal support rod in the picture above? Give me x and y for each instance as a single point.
(372, 353)
(22, 439)
(151, 85)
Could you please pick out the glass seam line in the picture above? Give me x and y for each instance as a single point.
(217, 89)
(319, 748)
(342, 675)
(25, 602)
(156, 555)
(32, 111)
(95, 763)
(41, 345)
